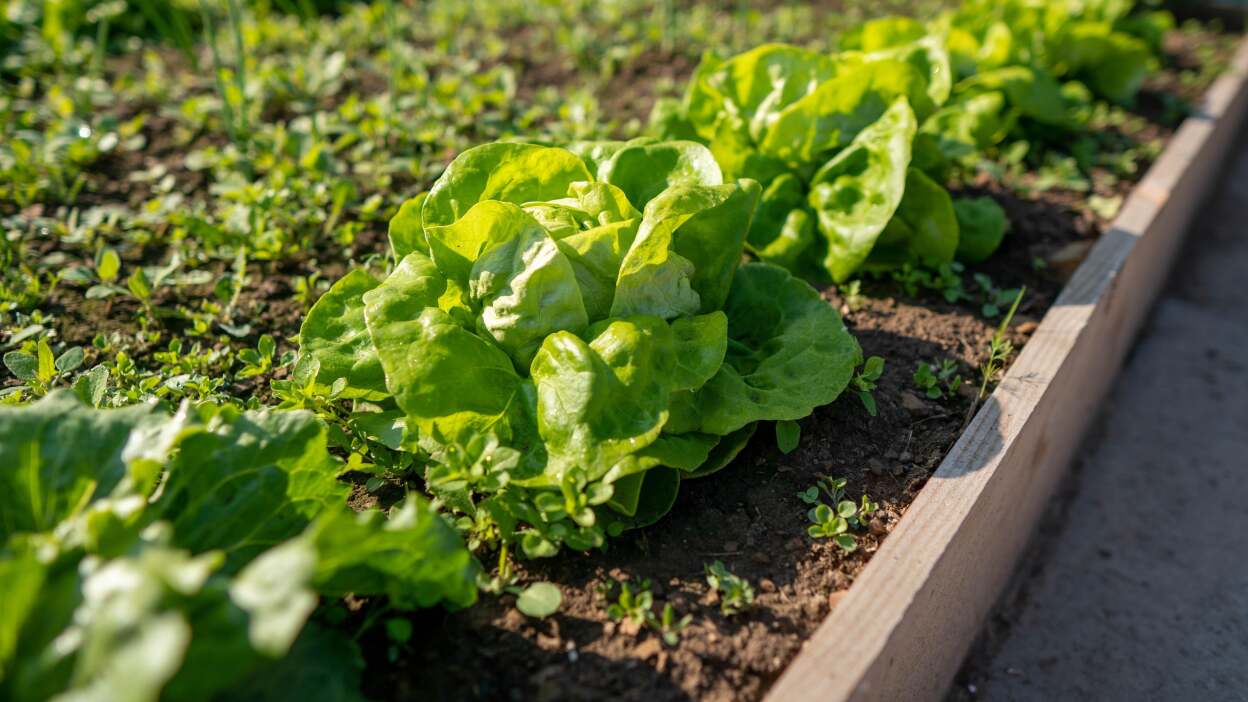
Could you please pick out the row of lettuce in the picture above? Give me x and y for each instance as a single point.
(853, 148)
(564, 337)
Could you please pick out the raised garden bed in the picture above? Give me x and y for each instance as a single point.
(957, 480)
(902, 630)
(955, 517)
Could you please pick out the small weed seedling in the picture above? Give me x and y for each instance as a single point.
(735, 593)
(994, 299)
(828, 522)
(668, 626)
(35, 365)
(865, 381)
(634, 602)
(851, 292)
(636, 606)
(999, 349)
(938, 381)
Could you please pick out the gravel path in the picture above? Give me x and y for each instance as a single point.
(1138, 587)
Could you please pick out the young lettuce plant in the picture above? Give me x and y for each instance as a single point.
(568, 334)
(834, 140)
(201, 539)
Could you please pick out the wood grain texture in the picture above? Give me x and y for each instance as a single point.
(902, 630)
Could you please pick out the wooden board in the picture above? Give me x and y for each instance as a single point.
(902, 630)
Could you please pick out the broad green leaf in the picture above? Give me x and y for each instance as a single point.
(595, 256)
(924, 230)
(783, 230)
(788, 352)
(107, 264)
(643, 171)
(445, 378)
(58, 455)
(456, 247)
(1113, 63)
(335, 336)
(883, 33)
(322, 666)
(930, 58)
(508, 172)
(527, 289)
(788, 435)
(684, 452)
(407, 229)
(738, 155)
(981, 227)
(595, 154)
(758, 84)
(690, 242)
(539, 600)
(655, 498)
(834, 114)
(414, 557)
(1032, 91)
(601, 401)
(700, 346)
(22, 365)
(70, 360)
(22, 576)
(724, 452)
(248, 483)
(964, 128)
(856, 193)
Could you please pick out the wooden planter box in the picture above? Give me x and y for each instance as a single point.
(903, 628)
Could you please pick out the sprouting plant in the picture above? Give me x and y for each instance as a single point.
(257, 361)
(834, 488)
(938, 381)
(631, 604)
(864, 382)
(834, 519)
(827, 523)
(946, 280)
(999, 349)
(851, 292)
(993, 299)
(636, 607)
(36, 365)
(309, 287)
(668, 626)
(735, 593)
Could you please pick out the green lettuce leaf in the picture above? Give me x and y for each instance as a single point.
(526, 287)
(642, 171)
(503, 171)
(407, 229)
(981, 227)
(788, 353)
(856, 193)
(690, 242)
(601, 401)
(334, 336)
(924, 230)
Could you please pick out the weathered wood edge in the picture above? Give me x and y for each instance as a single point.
(903, 628)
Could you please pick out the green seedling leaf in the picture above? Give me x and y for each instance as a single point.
(107, 264)
(539, 600)
(788, 434)
(22, 365)
(69, 361)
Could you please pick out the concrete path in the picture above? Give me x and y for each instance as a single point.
(1138, 589)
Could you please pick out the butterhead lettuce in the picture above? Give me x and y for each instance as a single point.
(574, 334)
